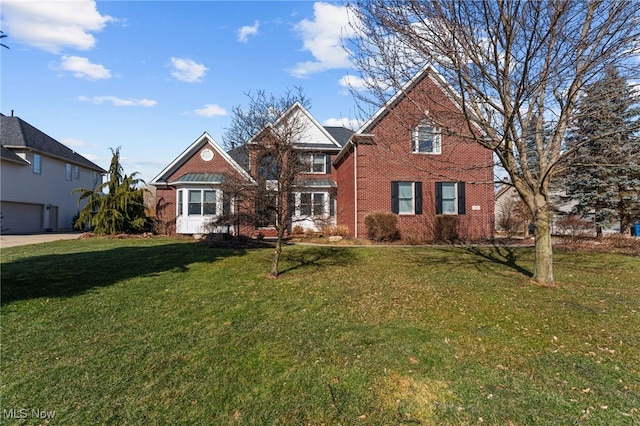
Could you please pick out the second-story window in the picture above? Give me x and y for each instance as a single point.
(426, 138)
(67, 171)
(313, 163)
(37, 164)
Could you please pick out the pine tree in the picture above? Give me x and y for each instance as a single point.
(603, 174)
(121, 209)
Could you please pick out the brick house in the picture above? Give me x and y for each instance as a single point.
(404, 160)
(409, 161)
(194, 190)
(189, 191)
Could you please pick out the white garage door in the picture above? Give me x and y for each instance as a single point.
(21, 218)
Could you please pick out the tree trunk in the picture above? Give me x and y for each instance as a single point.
(276, 255)
(544, 251)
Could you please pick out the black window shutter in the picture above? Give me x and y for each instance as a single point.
(327, 158)
(418, 197)
(438, 197)
(461, 199)
(395, 205)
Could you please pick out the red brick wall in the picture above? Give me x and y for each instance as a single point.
(390, 158)
(345, 212)
(166, 197)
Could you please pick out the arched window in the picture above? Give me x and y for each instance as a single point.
(268, 167)
(426, 138)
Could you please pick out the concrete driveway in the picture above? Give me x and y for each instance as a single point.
(20, 240)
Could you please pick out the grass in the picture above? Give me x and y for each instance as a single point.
(165, 331)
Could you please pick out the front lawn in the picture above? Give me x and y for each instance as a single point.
(167, 331)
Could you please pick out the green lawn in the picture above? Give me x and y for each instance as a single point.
(165, 331)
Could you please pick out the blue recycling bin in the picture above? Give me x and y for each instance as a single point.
(635, 230)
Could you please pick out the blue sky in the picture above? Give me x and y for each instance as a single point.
(152, 76)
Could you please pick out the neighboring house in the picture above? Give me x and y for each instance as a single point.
(200, 173)
(406, 160)
(38, 176)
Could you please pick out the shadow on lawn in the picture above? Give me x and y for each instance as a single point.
(316, 258)
(65, 275)
(501, 255)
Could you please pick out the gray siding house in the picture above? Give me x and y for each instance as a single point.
(37, 177)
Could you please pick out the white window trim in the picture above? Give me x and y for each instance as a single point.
(413, 198)
(437, 140)
(68, 171)
(311, 157)
(185, 202)
(326, 199)
(455, 199)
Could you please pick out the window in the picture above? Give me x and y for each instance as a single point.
(76, 172)
(67, 171)
(406, 197)
(180, 203)
(195, 202)
(200, 202)
(209, 204)
(450, 198)
(37, 164)
(426, 138)
(314, 163)
(312, 204)
(268, 167)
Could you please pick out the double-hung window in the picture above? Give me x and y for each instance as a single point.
(406, 197)
(200, 202)
(67, 171)
(314, 163)
(426, 138)
(312, 204)
(450, 198)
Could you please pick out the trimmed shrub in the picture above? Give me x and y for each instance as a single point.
(447, 229)
(336, 230)
(381, 226)
(297, 230)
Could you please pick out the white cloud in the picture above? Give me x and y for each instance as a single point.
(210, 110)
(73, 143)
(53, 25)
(246, 31)
(323, 38)
(353, 82)
(82, 68)
(116, 101)
(353, 124)
(187, 70)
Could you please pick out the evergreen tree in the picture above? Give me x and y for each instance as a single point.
(119, 210)
(603, 174)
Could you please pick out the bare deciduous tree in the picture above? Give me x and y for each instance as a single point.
(269, 131)
(516, 70)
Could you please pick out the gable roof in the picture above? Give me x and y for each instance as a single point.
(204, 139)
(426, 72)
(17, 134)
(316, 136)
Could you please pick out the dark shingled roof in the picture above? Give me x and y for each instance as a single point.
(16, 133)
(340, 134)
(7, 154)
